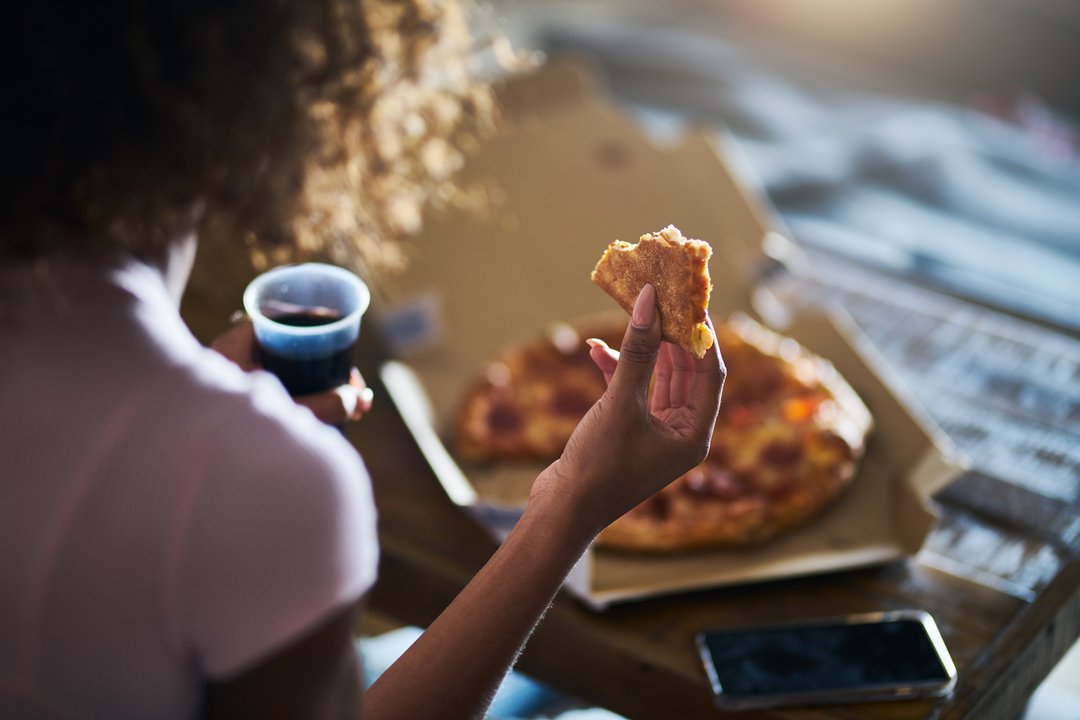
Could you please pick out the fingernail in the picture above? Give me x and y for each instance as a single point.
(367, 395)
(349, 398)
(645, 307)
(595, 342)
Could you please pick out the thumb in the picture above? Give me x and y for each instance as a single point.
(637, 356)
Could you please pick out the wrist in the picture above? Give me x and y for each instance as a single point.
(556, 502)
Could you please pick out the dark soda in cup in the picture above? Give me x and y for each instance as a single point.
(307, 320)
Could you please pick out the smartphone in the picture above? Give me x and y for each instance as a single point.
(856, 658)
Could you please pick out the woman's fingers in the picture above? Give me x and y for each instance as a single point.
(341, 404)
(661, 393)
(238, 344)
(603, 356)
(709, 375)
(683, 371)
(337, 406)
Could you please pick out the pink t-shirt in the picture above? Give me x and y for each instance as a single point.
(165, 518)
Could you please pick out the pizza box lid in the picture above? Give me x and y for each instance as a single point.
(566, 174)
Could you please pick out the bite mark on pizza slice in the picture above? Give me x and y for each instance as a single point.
(678, 267)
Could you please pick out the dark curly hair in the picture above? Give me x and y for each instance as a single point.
(306, 127)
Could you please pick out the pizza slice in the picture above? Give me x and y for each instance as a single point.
(678, 268)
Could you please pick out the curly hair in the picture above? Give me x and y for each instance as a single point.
(306, 127)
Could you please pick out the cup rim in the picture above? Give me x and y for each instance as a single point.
(251, 306)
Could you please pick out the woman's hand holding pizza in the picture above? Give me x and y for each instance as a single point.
(629, 445)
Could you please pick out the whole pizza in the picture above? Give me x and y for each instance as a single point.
(788, 438)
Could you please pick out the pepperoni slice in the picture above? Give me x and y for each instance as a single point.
(781, 454)
(571, 402)
(504, 419)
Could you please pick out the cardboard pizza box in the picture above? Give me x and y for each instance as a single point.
(568, 173)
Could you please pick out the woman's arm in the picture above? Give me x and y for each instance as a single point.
(624, 450)
(455, 667)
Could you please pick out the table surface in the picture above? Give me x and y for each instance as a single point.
(1000, 573)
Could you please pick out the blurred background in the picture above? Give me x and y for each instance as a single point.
(932, 139)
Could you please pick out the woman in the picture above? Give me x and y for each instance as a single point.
(178, 538)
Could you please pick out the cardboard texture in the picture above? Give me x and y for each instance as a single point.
(566, 175)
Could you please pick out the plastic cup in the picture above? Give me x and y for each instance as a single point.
(307, 320)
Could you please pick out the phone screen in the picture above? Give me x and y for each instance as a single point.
(829, 658)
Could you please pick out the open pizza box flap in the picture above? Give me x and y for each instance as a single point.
(567, 174)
